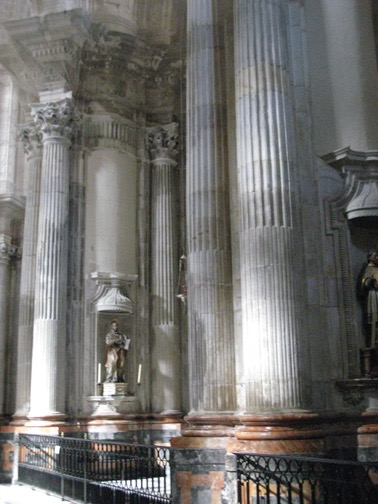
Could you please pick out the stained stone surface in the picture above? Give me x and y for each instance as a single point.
(256, 92)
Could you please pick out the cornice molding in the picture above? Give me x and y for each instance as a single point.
(45, 51)
(12, 205)
(346, 157)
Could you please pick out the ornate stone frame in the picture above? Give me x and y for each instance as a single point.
(111, 300)
(359, 171)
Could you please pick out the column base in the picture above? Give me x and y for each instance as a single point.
(368, 437)
(200, 464)
(45, 419)
(20, 417)
(172, 415)
(299, 432)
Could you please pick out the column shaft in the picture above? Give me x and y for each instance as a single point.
(270, 245)
(33, 148)
(166, 344)
(47, 384)
(210, 317)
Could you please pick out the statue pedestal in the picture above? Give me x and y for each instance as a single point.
(369, 362)
(114, 389)
(113, 406)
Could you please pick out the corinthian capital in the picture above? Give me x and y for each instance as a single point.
(8, 251)
(163, 141)
(54, 119)
(31, 139)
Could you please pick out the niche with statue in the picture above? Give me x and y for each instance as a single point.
(115, 349)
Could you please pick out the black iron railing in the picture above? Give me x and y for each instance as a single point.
(280, 479)
(95, 471)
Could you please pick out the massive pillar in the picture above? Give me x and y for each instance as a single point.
(165, 358)
(343, 72)
(271, 249)
(47, 379)
(210, 319)
(33, 148)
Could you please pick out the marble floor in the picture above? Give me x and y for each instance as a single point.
(23, 494)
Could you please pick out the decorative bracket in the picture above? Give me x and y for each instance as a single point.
(112, 292)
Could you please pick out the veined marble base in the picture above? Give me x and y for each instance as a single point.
(111, 389)
(112, 406)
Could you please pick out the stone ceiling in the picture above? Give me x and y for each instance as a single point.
(155, 20)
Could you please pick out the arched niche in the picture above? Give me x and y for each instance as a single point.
(351, 215)
(113, 301)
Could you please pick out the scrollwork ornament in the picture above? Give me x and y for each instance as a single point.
(353, 398)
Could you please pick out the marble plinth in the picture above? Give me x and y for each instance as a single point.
(111, 389)
(112, 406)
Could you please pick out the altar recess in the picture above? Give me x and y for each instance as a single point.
(115, 352)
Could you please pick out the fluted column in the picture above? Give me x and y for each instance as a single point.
(48, 359)
(31, 139)
(5, 256)
(165, 356)
(210, 318)
(271, 247)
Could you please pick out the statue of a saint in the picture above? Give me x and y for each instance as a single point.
(117, 345)
(370, 292)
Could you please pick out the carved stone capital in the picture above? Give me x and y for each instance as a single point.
(55, 119)
(163, 142)
(9, 251)
(31, 139)
(4, 251)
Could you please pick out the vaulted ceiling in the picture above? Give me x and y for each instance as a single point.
(155, 20)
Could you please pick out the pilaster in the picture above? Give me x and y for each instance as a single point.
(11, 214)
(5, 257)
(165, 379)
(31, 139)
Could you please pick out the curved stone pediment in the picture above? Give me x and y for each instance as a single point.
(360, 169)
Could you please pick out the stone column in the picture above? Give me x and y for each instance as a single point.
(5, 256)
(48, 359)
(270, 238)
(210, 317)
(165, 357)
(31, 140)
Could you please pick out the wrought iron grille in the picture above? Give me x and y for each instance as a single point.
(95, 470)
(280, 479)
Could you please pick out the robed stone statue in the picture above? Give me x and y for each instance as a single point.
(117, 345)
